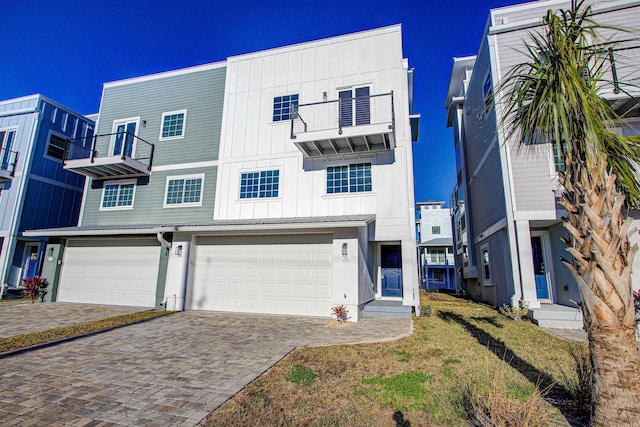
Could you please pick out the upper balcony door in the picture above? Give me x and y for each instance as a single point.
(355, 106)
(6, 139)
(123, 142)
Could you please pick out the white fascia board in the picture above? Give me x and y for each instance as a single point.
(317, 42)
(165, 74)
(544, 6)
(88, 232)
(263, 227)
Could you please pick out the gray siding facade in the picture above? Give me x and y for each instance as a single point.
(201, 94)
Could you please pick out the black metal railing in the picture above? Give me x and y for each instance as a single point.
(8, 160)
(121, 144)
(343, 113)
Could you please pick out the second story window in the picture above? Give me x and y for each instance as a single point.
(283, 107)
(487, 94)
(117, 195)
(173, 123)
(7, 156)
(184, 191)
(435, 229)
(355, 178)
(255, 185)
(55, 147)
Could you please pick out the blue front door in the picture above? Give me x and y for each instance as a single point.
(539, 271)
(391, 266)
(31, 260)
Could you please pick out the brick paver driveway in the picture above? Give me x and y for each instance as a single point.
(22, 317)
(172, 370)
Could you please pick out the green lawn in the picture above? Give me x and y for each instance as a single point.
(49, 335)
(462, 353)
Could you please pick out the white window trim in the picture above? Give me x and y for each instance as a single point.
(119, 183)
(182, 205)
(258, 199)
(46, 147)
(113, 131)
(184, 125)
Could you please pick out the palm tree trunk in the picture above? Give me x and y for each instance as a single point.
(615, 362)
(602, 261)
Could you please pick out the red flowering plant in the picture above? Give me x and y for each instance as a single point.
(35, 287)
(341, 312)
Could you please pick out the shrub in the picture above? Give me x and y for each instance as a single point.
(494, 406)
(514, 312)
(35, 287)
(425, 310)
(341, 312)
(579, 385)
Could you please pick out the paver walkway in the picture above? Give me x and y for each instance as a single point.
(173, 370)
(22, 317)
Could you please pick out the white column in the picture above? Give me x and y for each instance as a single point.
(526, 264)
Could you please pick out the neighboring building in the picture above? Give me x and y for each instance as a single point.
(435, 247)
(35, 191)
(278, 181)
(507, 222)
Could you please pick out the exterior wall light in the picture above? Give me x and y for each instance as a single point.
(344, 251)
(179, 250)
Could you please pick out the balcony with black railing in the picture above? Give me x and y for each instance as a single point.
(620, 80)
(8, 161)
(123, 155)
(345, 126)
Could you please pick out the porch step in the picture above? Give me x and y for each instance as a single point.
(386, 309)
(556, 316)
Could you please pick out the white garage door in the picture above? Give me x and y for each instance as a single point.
(116, 272)
(277, 275)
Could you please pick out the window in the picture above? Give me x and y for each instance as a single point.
(437, 256)
(435, 229)
(184, 191)
(486, 271)
(56, 147)
(487, 94)
(117, 195)
(558, 157)
(283, 107)
(173, 124)
(262, 184)
(438, 276)
(355, 178)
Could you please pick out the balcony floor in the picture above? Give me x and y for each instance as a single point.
(108, 167)
(351, 141)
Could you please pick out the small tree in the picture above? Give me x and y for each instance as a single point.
(35, 287)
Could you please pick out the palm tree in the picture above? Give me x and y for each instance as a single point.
(554, 97)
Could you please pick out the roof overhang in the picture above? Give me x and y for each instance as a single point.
(293, 224)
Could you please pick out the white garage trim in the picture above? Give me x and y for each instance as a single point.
(278, 274)
(114, 272)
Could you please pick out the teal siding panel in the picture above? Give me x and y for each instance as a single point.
(148, 202)
(201, 93)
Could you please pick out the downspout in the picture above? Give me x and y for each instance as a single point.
(163, 242)
(13, 232)
(165, 245)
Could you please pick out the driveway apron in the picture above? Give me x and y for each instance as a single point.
(172, 370)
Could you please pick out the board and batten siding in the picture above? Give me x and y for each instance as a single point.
(149, 199)
(201, 93)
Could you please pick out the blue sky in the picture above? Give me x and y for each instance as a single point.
(66, 49)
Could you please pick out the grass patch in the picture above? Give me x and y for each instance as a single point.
(21, 299)
(40, 337)
(426, 379)
(301, 375)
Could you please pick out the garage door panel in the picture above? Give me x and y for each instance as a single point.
(110, 272)
(280, 275)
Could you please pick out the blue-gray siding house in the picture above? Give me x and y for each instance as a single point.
(35, 191)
